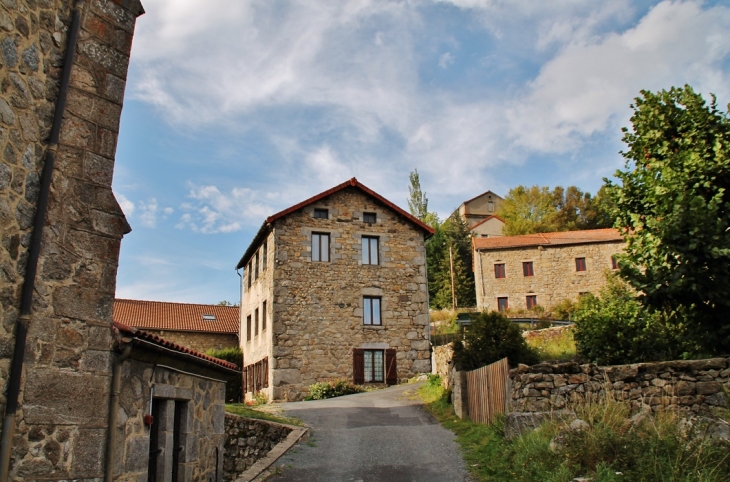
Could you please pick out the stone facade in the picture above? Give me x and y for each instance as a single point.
(66, 378)
(315, 309)
(247, 441)
(696, 386)
(555, 277)
(198, 341)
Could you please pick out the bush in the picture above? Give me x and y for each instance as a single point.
(489, 338)
(614, 328)
(331, 389)
(563, 310)
(234, 385)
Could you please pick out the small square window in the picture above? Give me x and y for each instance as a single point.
(527, 268)
(614, 262)
(499, 271)
(531, 302)
(502, 304)
(321, 213)
(371, 311)
(580, 264)
(369, 218)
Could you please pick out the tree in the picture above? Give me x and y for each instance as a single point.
(489, 338)
(418, 202)
(452, 235)
(672, 205)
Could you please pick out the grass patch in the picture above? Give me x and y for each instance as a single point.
(270, 413)
(553, 344)
(610, 450)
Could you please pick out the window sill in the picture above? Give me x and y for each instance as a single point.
(373, 327)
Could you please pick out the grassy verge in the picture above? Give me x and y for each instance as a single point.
(610, 450)
(270, 413)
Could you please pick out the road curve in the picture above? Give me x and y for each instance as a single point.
(384, 435)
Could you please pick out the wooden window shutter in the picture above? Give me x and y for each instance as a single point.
(391, 369)
(358, 366)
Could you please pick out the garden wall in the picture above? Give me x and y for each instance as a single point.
(247, 441)
(695, 386)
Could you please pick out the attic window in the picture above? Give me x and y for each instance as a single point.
(320, 213)
(209, 318)
(369, 218)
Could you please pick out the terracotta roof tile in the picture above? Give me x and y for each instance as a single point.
(548, 239)
(143, 335)
(162, 315)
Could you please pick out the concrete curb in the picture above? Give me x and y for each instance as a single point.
(297, 434)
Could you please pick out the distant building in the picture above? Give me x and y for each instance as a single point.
(479, 213)
(521, 272)
(335, 288)
(200, 327)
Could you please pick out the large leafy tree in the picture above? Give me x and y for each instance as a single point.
(672, 203)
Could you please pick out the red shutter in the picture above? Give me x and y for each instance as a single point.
(358, 366)
(391, 370)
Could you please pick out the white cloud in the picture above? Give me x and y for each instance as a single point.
(445, 60)
(126, 205)
(149, 212)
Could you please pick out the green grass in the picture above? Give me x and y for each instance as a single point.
(611, 450)
(243, 410)
(552, 344)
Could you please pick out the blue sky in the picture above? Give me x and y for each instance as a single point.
(237, 110)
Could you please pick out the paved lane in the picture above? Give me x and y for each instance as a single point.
(383, 435)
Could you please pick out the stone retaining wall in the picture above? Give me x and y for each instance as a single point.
(696, 386)
(248, 440)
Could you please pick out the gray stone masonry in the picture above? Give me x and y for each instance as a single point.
(247, 441)
(692, 386)
(61, 422)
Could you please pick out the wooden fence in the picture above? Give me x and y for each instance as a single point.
(487, 391)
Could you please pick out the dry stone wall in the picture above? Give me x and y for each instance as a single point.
(697, 386)
(68, 348)
(247, 441)
(555, 277)
(318, 307)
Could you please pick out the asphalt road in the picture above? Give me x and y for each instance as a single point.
(383, 435)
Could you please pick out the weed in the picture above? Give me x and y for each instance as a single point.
(243, 410)
(333, 388)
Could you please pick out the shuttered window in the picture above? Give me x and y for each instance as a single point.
(374, 366)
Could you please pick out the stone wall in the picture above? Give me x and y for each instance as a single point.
(555, 277)
(66, 378)
(442, 362)
(248, 440)
(201, 342)
(318, 307)
(696, 386)
(459, 393)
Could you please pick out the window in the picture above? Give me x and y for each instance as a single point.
(369, 218)
(321, 213)
(371, 311)
(373, 366)
(248, 281)
(614, 262)
(490, 206)
(502, 304)
(264, 256)
(499, 271)
(248, 328)
(256, 322)
(263, 317)
(580, 264)
(369, 250)
(256, 266)
(531, 302)
(527, 268)
(320, 247)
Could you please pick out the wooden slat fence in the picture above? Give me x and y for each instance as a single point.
(487, 391)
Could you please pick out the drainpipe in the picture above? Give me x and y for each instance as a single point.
(21, 330)
(111, 439)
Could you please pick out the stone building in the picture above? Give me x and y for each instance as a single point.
(521, 272)
(200, 327)
(479, 213)
(335, 288)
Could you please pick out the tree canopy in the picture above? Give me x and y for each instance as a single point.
(672, 204)
(528, 210)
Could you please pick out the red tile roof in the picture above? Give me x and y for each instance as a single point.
(485, 220)
(548, 239)
(156, 340)
(351, 183)
(162, 315)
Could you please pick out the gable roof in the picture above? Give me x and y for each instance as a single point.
(480, 195)
(549, 239)
(178, 350)
(487, 219)
(265, 228)
(163, 315)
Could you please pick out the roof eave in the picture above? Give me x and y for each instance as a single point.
(263, 231)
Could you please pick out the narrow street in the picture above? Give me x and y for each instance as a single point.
(383, 435)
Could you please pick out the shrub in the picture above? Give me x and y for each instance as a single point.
(614, 328)
(330, 389)
(489, 338)
(563, 310)
(234, 385)
(260, 398)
